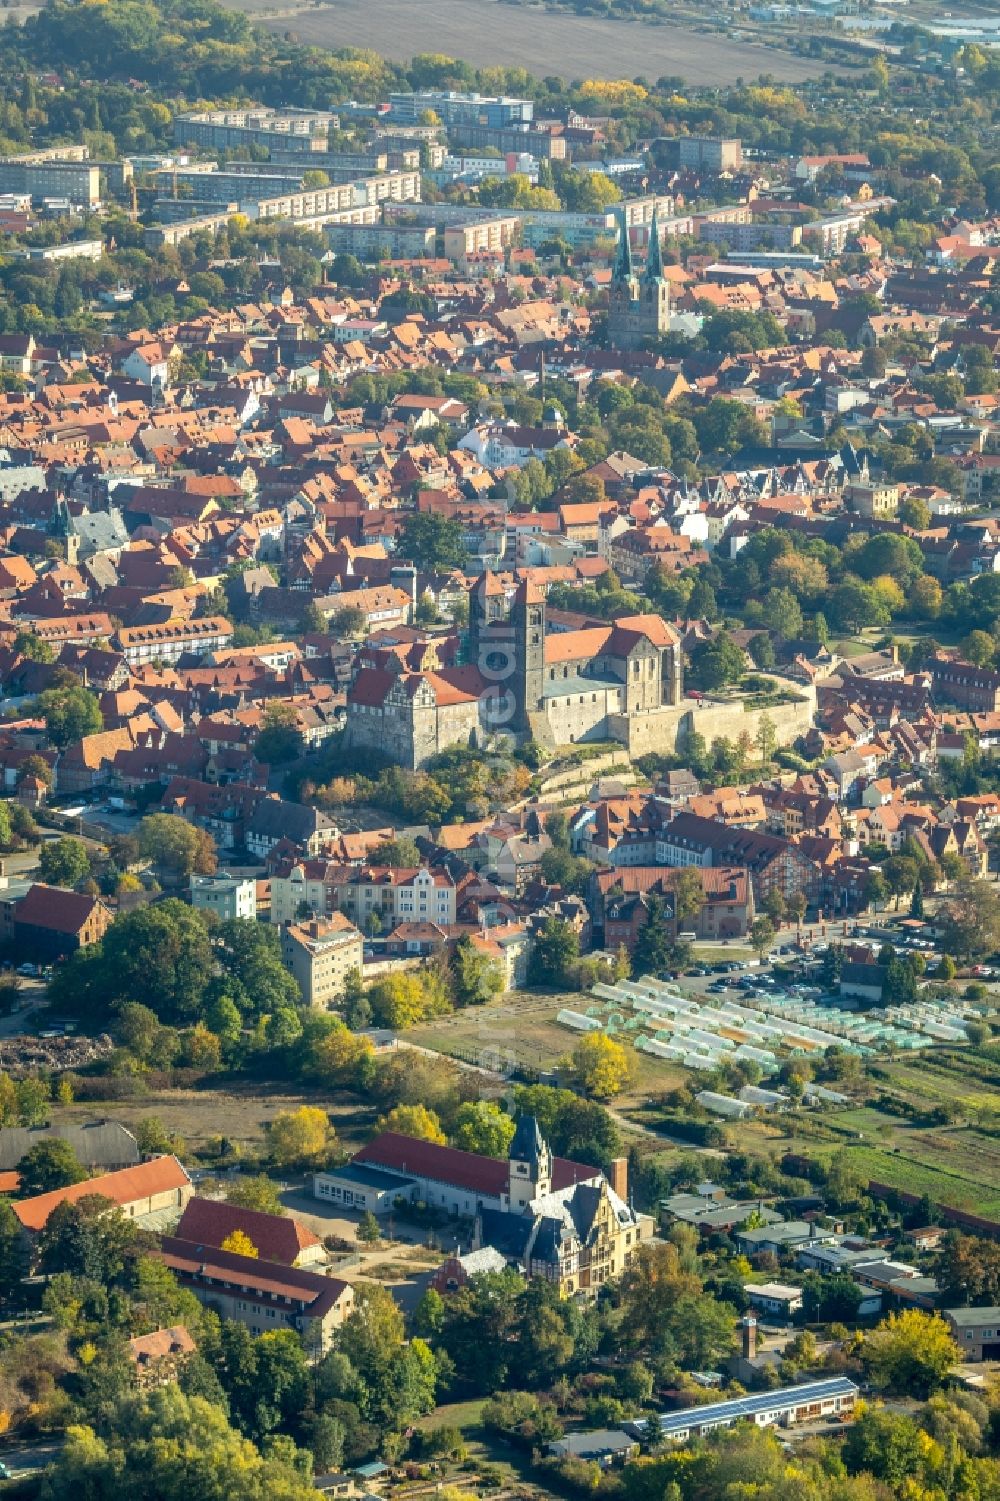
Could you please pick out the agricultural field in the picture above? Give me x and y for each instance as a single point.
(487, 33)
(954, 1163)
(945, 1079)
(900, 1170)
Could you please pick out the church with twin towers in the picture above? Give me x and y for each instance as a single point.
(639, 306)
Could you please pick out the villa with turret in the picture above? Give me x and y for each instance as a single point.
(544, 1215)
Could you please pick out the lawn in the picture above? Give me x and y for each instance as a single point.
(464, 1415)
(851, 648)
(522, 1032)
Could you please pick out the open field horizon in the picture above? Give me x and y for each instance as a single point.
(488, 33)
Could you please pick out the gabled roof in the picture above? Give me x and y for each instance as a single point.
(96, 1143)
(467, 1170)
(267, 1280)
(161, 1343)
(55, 909)
(276, 1237)
(130, 1184)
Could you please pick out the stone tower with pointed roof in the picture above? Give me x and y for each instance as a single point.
(529, 1172)
(639, 308)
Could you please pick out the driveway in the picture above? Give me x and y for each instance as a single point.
(406, 1264)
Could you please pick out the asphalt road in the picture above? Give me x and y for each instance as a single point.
(28, 1459)
(33, 997)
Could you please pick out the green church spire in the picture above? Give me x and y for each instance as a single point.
(623, 255)
(654, 260)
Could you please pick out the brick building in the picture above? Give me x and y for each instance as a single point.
(51, 922)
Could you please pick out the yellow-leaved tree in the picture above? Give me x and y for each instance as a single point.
(603, 1067)
(240, 1244)
(413, 1120)
(301, 1138)
(909, 1352)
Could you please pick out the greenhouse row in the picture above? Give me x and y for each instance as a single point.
(660, 1020)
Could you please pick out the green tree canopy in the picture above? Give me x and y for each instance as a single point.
(69, 713)
(50, 1163)
(432, 540)
(63, 862)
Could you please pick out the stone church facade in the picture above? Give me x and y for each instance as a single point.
(556, 687)
(638, 307)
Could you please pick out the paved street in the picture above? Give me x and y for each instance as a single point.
(28, 1459)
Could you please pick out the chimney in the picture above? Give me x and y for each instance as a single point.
(748, 1333)
(618, 1177)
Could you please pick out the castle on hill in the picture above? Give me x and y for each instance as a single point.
(555, 687)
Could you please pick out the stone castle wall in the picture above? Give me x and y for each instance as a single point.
(659, 731)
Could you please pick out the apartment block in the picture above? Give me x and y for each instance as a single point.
(462, 240)
(393, 895)
(302, 131)
(158, 235)
(80, 182)
(874, 501)
(759, 234)
(542, 143)
(228, 187)
(172, 639)
(227, 897)
(369, 241)
(320, 954)
(453, 108)
(710, 153)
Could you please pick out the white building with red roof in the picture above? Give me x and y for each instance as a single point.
(546, 1216)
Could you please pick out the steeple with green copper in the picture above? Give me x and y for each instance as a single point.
(654, 260)
(638, 307)
(623, 255)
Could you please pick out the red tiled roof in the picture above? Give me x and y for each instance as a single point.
(126, 1186)
(54, 908)
(371, 686)
(162, 1342)
(266, 1279)
(485, 1175)
(275, 1237)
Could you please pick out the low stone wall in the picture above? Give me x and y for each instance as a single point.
(587, 771)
